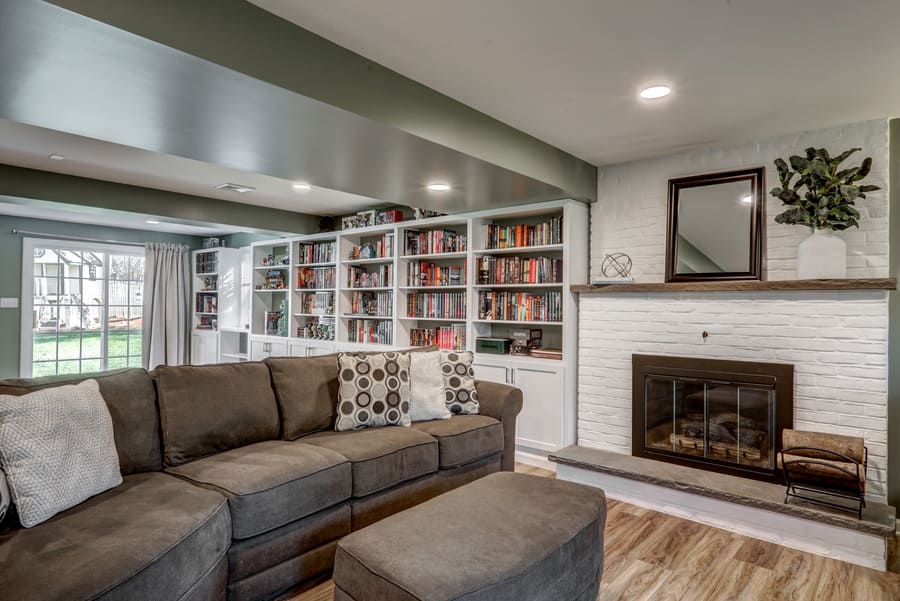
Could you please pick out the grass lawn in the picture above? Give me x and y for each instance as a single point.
(75, 345)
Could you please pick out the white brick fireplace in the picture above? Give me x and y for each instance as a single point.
(836, 340)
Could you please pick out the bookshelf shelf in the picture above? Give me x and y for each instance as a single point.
(491, 286)
(521, 249)
(519, 322)
(435, 256)
(441, 319)
(271, 267)
(331, 264)
(373, 261)
(432, 288)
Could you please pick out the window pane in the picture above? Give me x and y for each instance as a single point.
(43, 369)
(69, 345)
(90, 365)
(136, 293)
(116, 362)
(43, 347)
(91, 345)
(118, 292)
(117, 343)
(135, 361)
(69, 367)
(119, 267)
(45, 287)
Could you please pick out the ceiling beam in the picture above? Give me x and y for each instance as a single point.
(245, 38)
(43, 186)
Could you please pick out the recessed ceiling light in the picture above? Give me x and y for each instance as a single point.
(235, 188)
(153, 222)
(654, 92)
(747, 199)
(437, 187)
(302, 187)
(56, 157)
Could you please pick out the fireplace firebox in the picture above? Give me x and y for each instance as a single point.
(724, 416)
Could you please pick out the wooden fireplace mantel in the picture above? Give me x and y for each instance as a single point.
(740, 286)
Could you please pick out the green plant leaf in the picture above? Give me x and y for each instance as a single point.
(798, 163)
(849, 192)
(810, 153)
(845, 155)
(818, 167)
(869, 188)
(864, 168)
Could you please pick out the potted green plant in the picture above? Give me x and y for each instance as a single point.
(822, 198)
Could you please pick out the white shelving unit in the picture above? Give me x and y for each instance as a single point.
(215, 273)
(548, 419)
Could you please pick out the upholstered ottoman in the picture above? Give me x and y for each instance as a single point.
(505, 537)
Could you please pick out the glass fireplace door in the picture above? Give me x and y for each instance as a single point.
(710, 420)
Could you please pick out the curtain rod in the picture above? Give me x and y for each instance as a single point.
(76, 238)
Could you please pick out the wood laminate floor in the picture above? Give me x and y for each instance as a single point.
(651, 556)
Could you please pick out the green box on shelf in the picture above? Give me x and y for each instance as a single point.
(495, 346)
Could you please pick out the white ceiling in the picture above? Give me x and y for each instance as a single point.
(29, 146)
(568, 71)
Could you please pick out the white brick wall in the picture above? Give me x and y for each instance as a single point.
(837, 341)
(839, 356)
(630, 213)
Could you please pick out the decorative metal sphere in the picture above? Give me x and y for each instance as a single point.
(616, 265)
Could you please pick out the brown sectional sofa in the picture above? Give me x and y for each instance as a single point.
(235, 484)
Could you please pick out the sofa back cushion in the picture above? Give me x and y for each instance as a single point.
(131, 400)
(207, 409)
(307, 393)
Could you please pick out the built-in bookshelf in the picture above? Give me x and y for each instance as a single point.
(215, 299)
(446, 281)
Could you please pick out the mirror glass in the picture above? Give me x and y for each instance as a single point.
(714, 226)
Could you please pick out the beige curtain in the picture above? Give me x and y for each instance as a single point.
(167, 304)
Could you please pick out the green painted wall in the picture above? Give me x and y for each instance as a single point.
(24, 183)
(893, 451)
(247, 39)
(11, 269)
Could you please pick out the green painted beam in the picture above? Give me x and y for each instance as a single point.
(243, 37)
(37, 185)
(893, 445)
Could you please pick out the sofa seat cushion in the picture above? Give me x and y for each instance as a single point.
(381, 457)
(152, 537)
(272, 483)
(463, 439)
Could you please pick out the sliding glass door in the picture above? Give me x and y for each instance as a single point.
(81, 307)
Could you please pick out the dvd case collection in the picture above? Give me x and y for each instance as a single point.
(317, 303)
(523, 235)
(450, 338)
(519, 306)
(421, 273)
(316, 277)
(374, 304)
(317, 252)
(360, 277)
(434, 242)
(382, 248)
(370, 331)
(436, 305)
(519, 270)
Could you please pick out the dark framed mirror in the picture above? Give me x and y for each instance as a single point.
(716, 226)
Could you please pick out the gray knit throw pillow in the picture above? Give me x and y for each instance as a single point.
(57, 449)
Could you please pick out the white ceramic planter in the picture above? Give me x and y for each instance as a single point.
(822, 255)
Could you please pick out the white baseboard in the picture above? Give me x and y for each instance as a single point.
(797, 533)
(535, 460)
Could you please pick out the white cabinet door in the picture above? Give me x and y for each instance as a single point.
(540, 424)
(491, 373)
(204, 348)
(298, 349)
(320, 350)
(259, 350)
(278, 348)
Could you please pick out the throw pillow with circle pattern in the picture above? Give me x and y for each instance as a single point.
(374, 391)
(459, 382)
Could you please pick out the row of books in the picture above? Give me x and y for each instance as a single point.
(516, 236)
(206, 262)
(519, 270)
(436, 305)
(434, 242)
(206, 303)
(520, 306)
(319, 303)
(317, 252)
(360, 277)
(371, 331)
(376, 304)
(316, 277)
(378, 249)
(451, 338)
(428, 274)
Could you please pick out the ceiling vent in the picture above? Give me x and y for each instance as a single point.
(235, 188)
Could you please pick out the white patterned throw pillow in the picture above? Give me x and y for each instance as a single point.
(57, 449)
(374, 391)
(426, 401)
(459, 382)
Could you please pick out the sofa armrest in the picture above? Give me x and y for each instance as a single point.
(503, 403)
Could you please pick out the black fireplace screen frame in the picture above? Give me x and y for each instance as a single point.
(779, 376)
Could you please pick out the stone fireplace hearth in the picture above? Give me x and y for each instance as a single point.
(724, 416)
